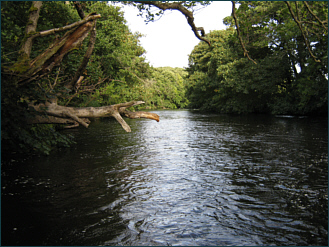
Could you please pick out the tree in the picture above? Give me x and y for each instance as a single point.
(166, 88)
(221, 80)
(34, 93)
(297, 31)
(53, 56)
(311, 20)
(43, 76)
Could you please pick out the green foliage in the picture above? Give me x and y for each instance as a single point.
(116, 72)
(117, 63)
(13, 22)
(17, 137)
(285, 80)
(166, 88)
(221, 79)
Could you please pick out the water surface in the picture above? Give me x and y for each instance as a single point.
(191, 179)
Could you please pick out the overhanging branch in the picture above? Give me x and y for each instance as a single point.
(76, 115)
(75, 80)
(322, 23)
(68, 27)
(239, 34)
(53, 56)
(302, 31)
(178, 6)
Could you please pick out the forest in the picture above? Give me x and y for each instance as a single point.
(63, 62)
(286, 71)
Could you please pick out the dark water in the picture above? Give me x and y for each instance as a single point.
(191, 179)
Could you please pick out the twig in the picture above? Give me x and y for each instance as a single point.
(301, 29)
(52, 86)
(317, 18)
(245, 52)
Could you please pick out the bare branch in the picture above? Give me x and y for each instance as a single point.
(40, 119)
(79, 9)
(75, 24)
(55, 82)
(53, 56)
(80, 115)
(127, 105)
(122, 122)
(239, 34)
(315, 16)
(141, 114)
(31, 28)
(303, 33)
(76, 118)
(178, 6)
(86, 58)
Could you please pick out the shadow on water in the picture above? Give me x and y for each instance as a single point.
(191, 179)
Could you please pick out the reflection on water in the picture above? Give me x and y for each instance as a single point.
(191, 179)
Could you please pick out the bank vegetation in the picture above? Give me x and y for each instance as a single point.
(63, 63)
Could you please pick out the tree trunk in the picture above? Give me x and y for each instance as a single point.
(31, 27)
(57, 114)
(53, 56)
(75, 81)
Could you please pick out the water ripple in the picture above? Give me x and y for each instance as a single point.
(191, 179)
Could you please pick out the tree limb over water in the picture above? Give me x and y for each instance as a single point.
(181, 8)
(57, 114)
(27, 71)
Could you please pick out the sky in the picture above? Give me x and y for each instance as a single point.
(170, 40)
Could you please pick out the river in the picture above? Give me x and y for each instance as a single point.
(191, 179)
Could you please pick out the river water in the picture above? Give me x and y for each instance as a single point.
(191, 179)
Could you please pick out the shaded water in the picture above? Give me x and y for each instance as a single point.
(191, 179)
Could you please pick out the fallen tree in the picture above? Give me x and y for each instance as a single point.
(37, 90)
(28, 71)
(74, 116)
